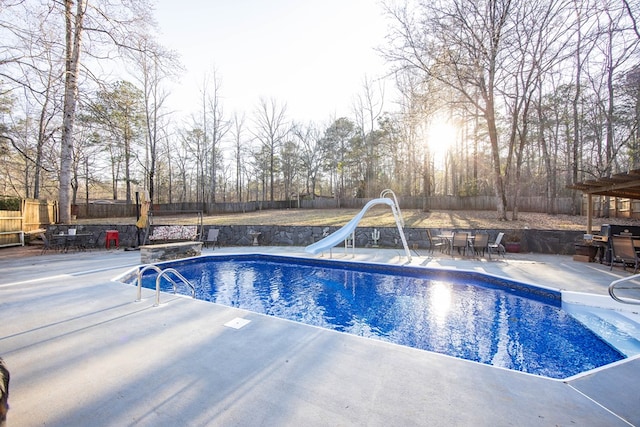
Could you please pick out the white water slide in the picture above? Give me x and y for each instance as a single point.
(343, 233)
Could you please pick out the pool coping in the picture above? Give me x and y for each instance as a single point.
(379, 383)
(546, 295)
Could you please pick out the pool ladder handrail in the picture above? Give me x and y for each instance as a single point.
(614, 285)
(161, 274)
(397, 215)
(386, 193)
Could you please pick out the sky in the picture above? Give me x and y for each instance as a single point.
(312, 55)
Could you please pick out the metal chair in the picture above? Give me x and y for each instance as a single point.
(460, 242)
(50, 243)
(436, 242)
(496, 246)
(480, 243)
(212, 238)
(624, 252)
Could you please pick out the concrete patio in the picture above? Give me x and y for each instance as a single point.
(82, 352)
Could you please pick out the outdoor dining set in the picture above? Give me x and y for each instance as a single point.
(64, 242)
(465, 243)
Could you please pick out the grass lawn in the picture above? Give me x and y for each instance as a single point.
(381, 216)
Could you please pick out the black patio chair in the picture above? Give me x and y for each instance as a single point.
(624, 252)
(460, 242)
(480, 243)
(50, 243)
(212, 238)
(436, 242)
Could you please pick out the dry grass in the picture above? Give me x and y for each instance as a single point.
(381, 216)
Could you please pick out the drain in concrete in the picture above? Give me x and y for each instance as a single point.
(237, 323)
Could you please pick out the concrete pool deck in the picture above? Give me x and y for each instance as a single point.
(82, 352)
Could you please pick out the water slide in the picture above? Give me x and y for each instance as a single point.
(341, 234)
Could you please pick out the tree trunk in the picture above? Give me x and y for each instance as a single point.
(576, 115)
(501, 197)
(73, 39)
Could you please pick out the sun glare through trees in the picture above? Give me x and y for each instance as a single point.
(441, 139)
(497, 100)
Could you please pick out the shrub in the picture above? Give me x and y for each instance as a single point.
(9, 203)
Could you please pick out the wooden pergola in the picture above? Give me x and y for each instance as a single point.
(623, 185)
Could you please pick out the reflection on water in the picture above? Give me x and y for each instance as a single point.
(439, 301)
(491, 326)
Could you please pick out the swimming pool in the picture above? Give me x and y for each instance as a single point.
(463, 314)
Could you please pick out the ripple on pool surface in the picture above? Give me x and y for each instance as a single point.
(460, 314)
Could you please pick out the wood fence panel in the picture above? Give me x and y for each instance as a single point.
(447, 203)
(10, 221)
(618, 208)
(35, 214)
(319, 204)
(38, 214)
(107, 210)
(10, 228)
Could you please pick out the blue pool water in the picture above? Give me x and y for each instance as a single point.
(462, 314)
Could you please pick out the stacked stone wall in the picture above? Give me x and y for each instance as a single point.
(538, 241)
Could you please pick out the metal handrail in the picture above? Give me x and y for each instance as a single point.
(615, 283)
(397, 215)
(180, 276)
(162, 273)
(140, 272)
(385, 193)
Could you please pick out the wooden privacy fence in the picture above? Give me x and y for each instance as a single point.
(33, 215)
(11, 228)
(122, 210)
(46, 211)
(449, 203)
(108, 210)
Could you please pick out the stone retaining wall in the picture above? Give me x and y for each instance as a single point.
(150, 254)
(127, 234)
(538, 241)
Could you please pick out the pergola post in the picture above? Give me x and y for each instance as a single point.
(621, 185)
(589, 212)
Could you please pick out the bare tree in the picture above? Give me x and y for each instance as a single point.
(270, 129)
(119, 111)
(214, 114)
(239, 153)
(617, 50)
(540, 38)
(368, 107)
(575, 100)
(460, 45)
(310, 155)
(38, 74)
(290, 167)
(336, 146)
(419, 101)
(632, 12)
(112, 24)
(153, 65)
(194, 140)
(74, 21)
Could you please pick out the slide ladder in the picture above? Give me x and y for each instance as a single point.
(387, 192)
(342, 233)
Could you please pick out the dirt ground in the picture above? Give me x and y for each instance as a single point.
(20, 251)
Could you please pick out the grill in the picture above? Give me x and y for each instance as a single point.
(608, 230)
